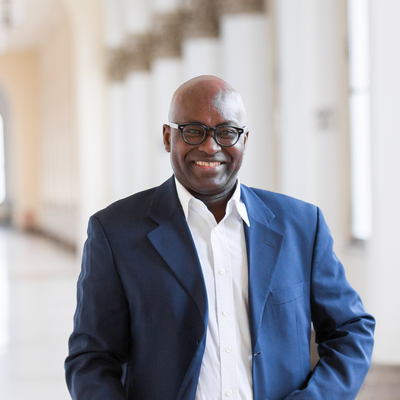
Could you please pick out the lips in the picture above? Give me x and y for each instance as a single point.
(208, 164)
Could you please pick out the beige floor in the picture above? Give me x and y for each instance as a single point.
(382, 383)
(37, 301)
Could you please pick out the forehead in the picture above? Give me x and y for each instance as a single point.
(203, 103)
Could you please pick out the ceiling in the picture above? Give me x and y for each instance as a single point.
(40, 16)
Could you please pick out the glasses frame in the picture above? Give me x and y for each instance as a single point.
(207, 128)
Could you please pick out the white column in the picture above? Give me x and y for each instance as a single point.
(117, 139)
(114, 33)
(90, 87)
(141, 153)
(313, 135)
(247, 66)
(296, 140)
(166, 72)
(201, 50)
(138, 99)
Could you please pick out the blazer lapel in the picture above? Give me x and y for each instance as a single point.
(173, 241)
(263, 249)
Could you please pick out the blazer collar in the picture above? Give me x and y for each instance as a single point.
(173, 241)
(263, 248)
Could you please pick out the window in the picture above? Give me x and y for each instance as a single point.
(360, 131)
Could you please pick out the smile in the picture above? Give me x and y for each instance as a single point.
(208, 164)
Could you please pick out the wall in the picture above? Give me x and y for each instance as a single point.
(19, 78)
(384, 258)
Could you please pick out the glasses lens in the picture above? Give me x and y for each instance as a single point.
(193, 133)
(227, 135)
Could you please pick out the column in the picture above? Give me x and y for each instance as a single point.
(247, 65)
(200, 44)
(90, 89)
(166, 71)
(117, 129)
(116, 71)
(312, 92)
(138, 95)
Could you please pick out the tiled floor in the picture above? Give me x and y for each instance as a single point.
(37, 301)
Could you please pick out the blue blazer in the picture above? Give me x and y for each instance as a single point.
(141, 317)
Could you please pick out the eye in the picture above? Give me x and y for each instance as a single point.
(193, 131)
(227, 133)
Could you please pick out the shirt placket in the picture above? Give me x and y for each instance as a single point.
(225, 312)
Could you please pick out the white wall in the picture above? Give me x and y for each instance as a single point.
(384, 261)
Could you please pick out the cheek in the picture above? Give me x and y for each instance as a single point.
(178, 154)
(237, 156)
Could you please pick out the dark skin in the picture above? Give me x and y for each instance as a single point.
(208, 171)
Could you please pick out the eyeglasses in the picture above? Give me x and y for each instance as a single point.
(194, 133)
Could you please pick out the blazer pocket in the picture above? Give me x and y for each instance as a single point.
(287, 295)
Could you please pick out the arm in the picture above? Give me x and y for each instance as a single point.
(344, 331)
(99, 344)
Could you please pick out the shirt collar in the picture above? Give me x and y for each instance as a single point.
(235, 201)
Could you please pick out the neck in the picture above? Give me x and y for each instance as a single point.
(217, 203)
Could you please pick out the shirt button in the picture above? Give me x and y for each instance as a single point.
(229, 393)
(228, 349)
(222, 271)
(216, 231)
(225, 312)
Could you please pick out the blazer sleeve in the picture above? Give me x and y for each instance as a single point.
(99, 344)
(344, 331)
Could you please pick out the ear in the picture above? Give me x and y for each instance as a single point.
(246, 136)
(167, 138)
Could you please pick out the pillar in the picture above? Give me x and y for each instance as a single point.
(200, 42)
(117, 134)
(90, 89)
(139, 113)
(166, 72)
(312, 101)
(138, 95)
(246, 60)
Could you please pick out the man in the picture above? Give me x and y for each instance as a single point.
(205, 289)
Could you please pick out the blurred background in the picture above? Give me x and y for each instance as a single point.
(85, 87)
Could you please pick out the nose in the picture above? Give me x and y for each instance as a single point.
(210, 146)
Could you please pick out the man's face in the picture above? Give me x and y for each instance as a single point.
(207, 169)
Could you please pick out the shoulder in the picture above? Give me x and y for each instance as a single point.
(280, 203)
(286, 210)
(137, 203)
(125, 213)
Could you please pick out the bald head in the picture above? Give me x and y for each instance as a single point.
(207, 92)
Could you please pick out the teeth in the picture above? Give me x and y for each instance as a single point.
(207, 164)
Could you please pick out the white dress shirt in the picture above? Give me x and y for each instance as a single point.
(226, 370)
